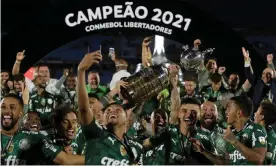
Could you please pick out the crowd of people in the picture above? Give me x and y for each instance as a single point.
(210, 120)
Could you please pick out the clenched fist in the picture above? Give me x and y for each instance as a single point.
(20, 56)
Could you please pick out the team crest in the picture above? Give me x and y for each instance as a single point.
(43, 102)
(10, 149)
(262, 140)
(245, 136)
(24, 144)
(123, 150)
(50, 101)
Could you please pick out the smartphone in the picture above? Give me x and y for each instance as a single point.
(100, 49)
(111, 52)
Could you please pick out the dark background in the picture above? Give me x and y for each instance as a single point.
(38, 27)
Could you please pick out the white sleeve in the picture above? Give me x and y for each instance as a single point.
(112, 83)
(51, 87)
(30, 84)
(117, 77)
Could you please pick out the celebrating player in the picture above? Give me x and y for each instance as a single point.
(106, 145)
(266, 116)
(246, 142)
(26, 147)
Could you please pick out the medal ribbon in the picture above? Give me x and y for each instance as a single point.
(5, 150)
(126, 146)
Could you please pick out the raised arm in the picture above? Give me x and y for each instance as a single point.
(248, 68)
(146, 52)
(86, 115)
(62, 79)
(270, 64)
(16, 67)
(175, 94)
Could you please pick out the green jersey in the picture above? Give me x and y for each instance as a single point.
(271, 147)
(100, 91)
(103, 148)
(27, 148)
(218, 142)
(179, 149)
(77, 145)
(155, 156)
(252, 136)
(44, 105)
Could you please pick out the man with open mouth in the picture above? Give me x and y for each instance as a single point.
(20, 147)
(209, 132)
(67, 136)
(31, 122)
(184, 116)
(155, 156)
(107, 144)
(266, 116)
(246, 143)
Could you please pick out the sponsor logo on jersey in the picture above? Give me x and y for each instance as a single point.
(24, 144)
(12, 160)
(110, 161)
(123, 150)
(136, 144)
(177, 157)
(158, 148)
(49, 146)
(202, 136)
(236, 156)
(262, 140)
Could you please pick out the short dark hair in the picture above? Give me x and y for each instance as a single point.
(93, 95)
(244, 103)
(5, 71)
(91, 72)
(269, 112)
(216, 77)
(162, 112)
(110, 104)
(59, 113)
(19, 77)
(15, 96)
(42, 65)
(188, 100)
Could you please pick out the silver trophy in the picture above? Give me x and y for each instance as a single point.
(145, 84)
(192, 58)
